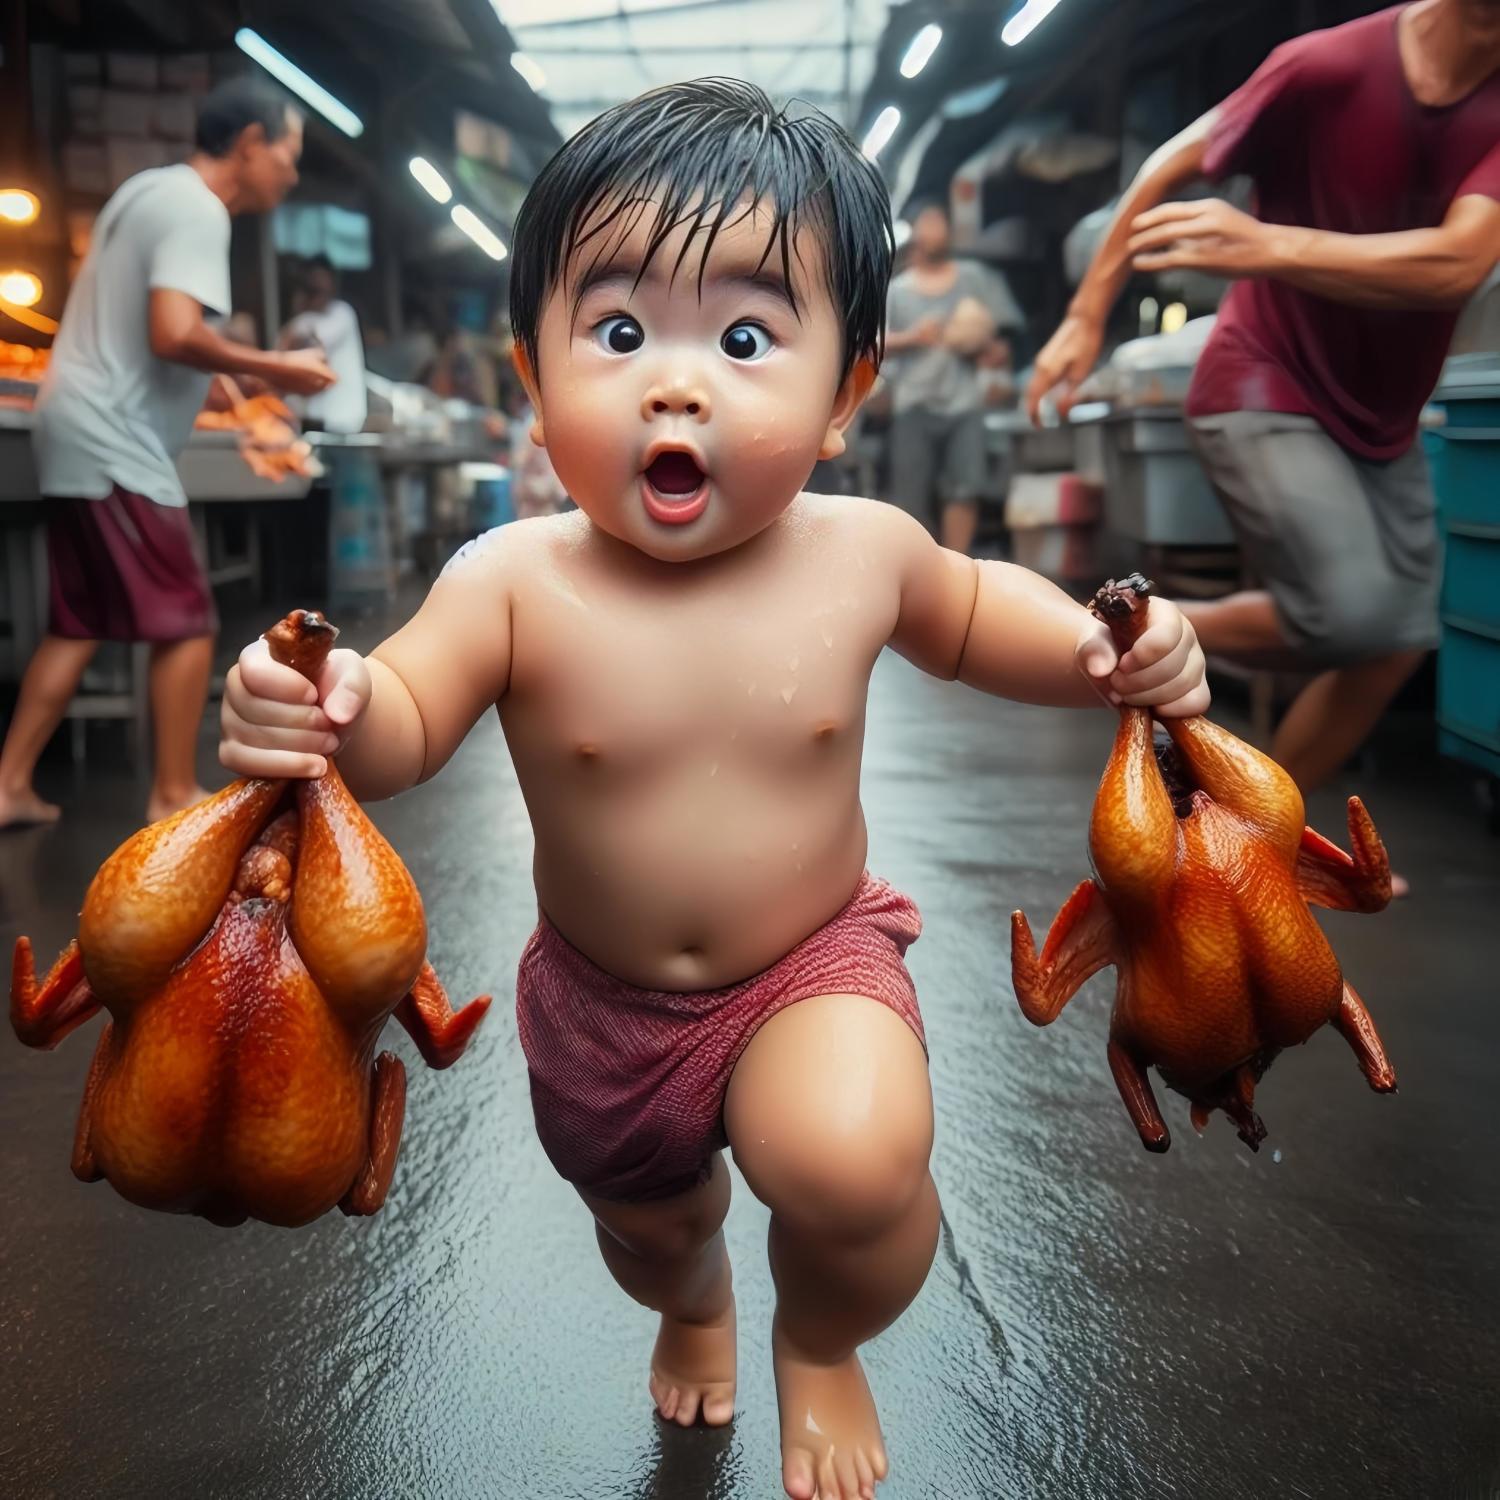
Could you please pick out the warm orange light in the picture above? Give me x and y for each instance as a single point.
(20, 288)
(17, 206)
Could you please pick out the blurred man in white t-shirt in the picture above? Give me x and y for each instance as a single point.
(130, 369)
(326, 322)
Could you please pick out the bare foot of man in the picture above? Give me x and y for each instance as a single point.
(692, 1370)
(831, 1448)
(162, 805)
(24, 809)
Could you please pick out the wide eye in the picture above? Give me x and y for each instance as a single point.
(746, 341)
(620, 335)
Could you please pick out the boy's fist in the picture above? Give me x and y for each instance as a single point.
(1164, 671)
(275, 722)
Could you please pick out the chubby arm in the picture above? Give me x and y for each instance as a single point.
(1008, 631)
(1439, 267)
(393, 718)
(1071, 352)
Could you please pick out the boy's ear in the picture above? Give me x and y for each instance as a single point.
(851, 396)
(533, 391)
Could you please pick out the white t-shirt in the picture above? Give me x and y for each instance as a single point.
(110, 412)
(344, 406)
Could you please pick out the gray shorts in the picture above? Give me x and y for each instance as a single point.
(936, 457)
(1347, 546)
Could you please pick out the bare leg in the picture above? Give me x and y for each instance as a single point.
(670, 1257)
(960, 520)
(179, 691)
(1334, 713)
(1241, 624)
(52, 677)
(839, 1155)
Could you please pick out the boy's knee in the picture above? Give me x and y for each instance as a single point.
(848, 1185)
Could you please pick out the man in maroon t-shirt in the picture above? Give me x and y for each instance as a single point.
(1374, 148)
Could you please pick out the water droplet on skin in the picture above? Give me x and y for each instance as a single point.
(794, 662)
(827, 637)
(788, 693)
(713, 770)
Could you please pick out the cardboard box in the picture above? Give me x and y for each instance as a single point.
(174, 117)
(83, 67)
(133, 70)
(187, 73)
(125, 113)
(85, 168)
(85, 109)
(126, 157)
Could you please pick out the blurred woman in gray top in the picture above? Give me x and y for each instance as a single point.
(943, 318)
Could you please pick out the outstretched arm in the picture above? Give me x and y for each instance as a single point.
(395, 717)
(1439, 267)
(1070, 353)
(1008, 631)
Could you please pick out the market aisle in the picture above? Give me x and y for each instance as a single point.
(1321, 1320)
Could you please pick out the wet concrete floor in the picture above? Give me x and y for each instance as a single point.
(1322, 1320)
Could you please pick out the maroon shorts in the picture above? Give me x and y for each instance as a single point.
(628, 1085)
(126, 569)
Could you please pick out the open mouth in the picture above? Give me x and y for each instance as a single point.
(674, 488)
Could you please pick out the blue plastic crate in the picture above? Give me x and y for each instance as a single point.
(1471, 576)
(1469, 687)
(1466, 473)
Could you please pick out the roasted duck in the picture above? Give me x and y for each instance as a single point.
(249, 951)
(1204, 873)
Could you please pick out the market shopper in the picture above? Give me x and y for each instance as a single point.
(130, 369)
(324, 321)
(1375, 152)
(943, 320)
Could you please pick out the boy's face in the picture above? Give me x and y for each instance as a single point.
(683, 415)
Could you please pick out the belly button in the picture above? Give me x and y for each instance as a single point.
(825, 731)
(588, 752)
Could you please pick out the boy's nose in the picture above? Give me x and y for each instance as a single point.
(677, 398)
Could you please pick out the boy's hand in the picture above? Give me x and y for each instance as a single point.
(275, 722)
(1164, 671)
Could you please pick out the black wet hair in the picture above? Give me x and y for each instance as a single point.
(700, 149)
(234, 106)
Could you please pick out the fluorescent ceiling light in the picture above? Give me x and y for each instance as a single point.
(430, 178)
(478, 231)
(529, 69)
(1026, 20)
(881, 131)
(309, 90)
(919, 54)
(556, 12)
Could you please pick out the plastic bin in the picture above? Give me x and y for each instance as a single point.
(1465, 463)
(1469, 696)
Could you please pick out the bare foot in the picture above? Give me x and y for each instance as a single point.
(692, 1370)
(831, 1448)
(159, 806)
(26, 810)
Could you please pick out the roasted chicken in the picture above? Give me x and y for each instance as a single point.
(1204, 873)
(249, 952)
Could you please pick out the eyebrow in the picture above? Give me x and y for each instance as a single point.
(627, 268)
